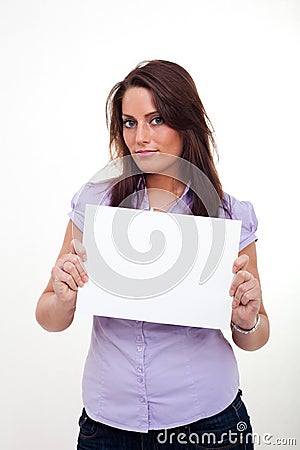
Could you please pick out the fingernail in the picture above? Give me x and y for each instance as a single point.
(234, 268)
(234, 304)
(84, 258)
(231, 292)
(85, 278)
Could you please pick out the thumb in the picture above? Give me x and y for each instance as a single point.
(241, 263)
(79, 249)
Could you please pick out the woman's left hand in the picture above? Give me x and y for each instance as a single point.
(246, 293)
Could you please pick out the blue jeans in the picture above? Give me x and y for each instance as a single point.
(230, 429)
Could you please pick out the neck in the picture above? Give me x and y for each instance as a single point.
(164, 182)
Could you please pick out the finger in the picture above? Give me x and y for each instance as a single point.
(61, 277)
(249, 303)
(248, 293)
(249, 298)
(72, 264)
(243, 288)
(78, 248)
(241, 263)
(240, 277)
(77, 272)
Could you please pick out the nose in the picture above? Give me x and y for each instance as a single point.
(143, 133)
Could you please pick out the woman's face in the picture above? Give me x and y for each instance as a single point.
(152, 143)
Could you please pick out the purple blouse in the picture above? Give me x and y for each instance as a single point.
(139, 375)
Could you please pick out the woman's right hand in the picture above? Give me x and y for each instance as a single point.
(69, 273)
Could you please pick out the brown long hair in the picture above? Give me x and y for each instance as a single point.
(177, 101)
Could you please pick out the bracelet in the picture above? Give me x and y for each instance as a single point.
(240, 330)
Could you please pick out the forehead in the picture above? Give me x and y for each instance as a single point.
(138, 100)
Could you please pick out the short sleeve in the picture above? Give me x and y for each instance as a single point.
(89, 193)
(244, 211)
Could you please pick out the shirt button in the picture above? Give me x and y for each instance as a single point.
(140, 369)
(142, 400)
(139, 338)
(139, 348)
(140, 379)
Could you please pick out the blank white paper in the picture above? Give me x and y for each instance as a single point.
(158, 267)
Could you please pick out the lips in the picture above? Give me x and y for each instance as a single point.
(146, 152)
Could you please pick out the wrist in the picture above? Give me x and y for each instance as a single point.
(246, 330)
(64, 305)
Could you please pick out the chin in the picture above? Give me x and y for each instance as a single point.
(157, 164)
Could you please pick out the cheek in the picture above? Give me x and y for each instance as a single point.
(127, 138)
(174, 141)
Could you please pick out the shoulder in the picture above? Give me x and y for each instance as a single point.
(241, 210)
(93, 193)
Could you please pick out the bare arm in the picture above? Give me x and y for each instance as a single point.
(56, 306)
(247, 301)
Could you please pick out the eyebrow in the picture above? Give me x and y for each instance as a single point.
(146, 115)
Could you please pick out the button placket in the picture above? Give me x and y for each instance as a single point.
(140, 379)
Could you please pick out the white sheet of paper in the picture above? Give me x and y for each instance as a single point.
(182, 276)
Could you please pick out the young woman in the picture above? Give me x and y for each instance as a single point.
(149, 385)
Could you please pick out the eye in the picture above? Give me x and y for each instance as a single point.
(157, 120)
(129, 123)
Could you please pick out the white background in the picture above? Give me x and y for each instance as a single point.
(59, 60)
